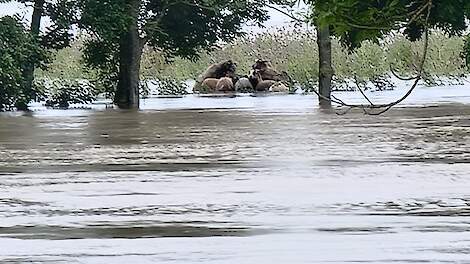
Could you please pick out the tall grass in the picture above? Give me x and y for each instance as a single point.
(296, 52)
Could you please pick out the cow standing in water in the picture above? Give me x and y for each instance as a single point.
(265, 78)
(210, 78)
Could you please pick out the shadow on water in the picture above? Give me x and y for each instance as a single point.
(456, 207)
(126, 231)
(126, 141)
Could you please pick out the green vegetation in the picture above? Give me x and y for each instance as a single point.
(63, 92)
(357, 20)
(294, 52)
(17, 49)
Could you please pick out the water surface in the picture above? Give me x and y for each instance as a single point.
(238, 180)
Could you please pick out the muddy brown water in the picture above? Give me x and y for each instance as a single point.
(262, 180)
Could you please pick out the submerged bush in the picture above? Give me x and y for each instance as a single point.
(63, 92)
(167, 86)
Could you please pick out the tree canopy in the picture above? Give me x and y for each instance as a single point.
(62, 14)
(178, 28)
(357, 20)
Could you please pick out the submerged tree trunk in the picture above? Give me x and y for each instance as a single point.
(325, 74)
(28, 71)
(130, 54)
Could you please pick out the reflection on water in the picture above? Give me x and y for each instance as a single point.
(262, 180)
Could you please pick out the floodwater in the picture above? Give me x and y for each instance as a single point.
(238, 180)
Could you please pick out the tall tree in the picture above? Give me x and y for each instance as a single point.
(130, 53)
(121, 28)
(28, 71)
(28, 67)
(17, 49)
(325, 71)
(56, 36)
(354, 21)
(323, 30)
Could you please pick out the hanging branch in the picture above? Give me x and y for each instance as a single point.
(358, 85)
(288, 14)
(394, 73)
(367, 108)
(351, 22)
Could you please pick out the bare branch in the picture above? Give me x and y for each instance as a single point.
(394, 73)
(362, 92)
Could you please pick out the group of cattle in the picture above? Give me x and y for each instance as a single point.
(222, 77)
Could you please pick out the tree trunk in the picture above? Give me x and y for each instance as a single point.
(325, 74)
(28, 70)
(37, 16)
(130, 54)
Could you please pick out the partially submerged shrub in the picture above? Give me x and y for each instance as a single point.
(166, 86)
(63, 92)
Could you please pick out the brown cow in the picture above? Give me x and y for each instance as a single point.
(210, 84)
(225, 84)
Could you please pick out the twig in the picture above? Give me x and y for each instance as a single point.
(362, 92)
(287, 14)
(414, 17)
